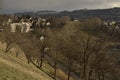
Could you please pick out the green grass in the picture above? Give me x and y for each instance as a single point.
(9, 73)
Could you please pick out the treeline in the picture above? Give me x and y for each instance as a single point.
(76, 46)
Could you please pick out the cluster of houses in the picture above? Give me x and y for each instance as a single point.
(25, 25)
(112, 25)
(28, 23)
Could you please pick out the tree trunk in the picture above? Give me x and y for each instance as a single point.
(42, 57)
(103, 76)
(55, 67)
(55, 70)
(29, 60)
(84, 72)
(7, 49)
(90, 73)
(69, 69)
(69, 72)
(41, 63)
(99, 77)
(17, 54)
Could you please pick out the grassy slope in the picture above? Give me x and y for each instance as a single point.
(9, 73)
(12, 68)
(20, 65)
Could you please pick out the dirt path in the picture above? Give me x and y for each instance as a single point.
(24, 67)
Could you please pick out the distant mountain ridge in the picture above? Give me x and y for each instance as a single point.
(46, 12)
(105, 14)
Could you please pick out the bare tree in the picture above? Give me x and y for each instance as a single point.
(10, 39)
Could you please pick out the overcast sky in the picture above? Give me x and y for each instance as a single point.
(57, 4)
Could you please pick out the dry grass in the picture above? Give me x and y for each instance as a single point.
(10, 73)
(20, 64)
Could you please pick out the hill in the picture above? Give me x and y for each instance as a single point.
(105, 14)
(12, 68)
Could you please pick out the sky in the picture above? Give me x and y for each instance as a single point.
(57, 5)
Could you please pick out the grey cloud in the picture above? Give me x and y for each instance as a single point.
(1, 3)
(59, 4)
